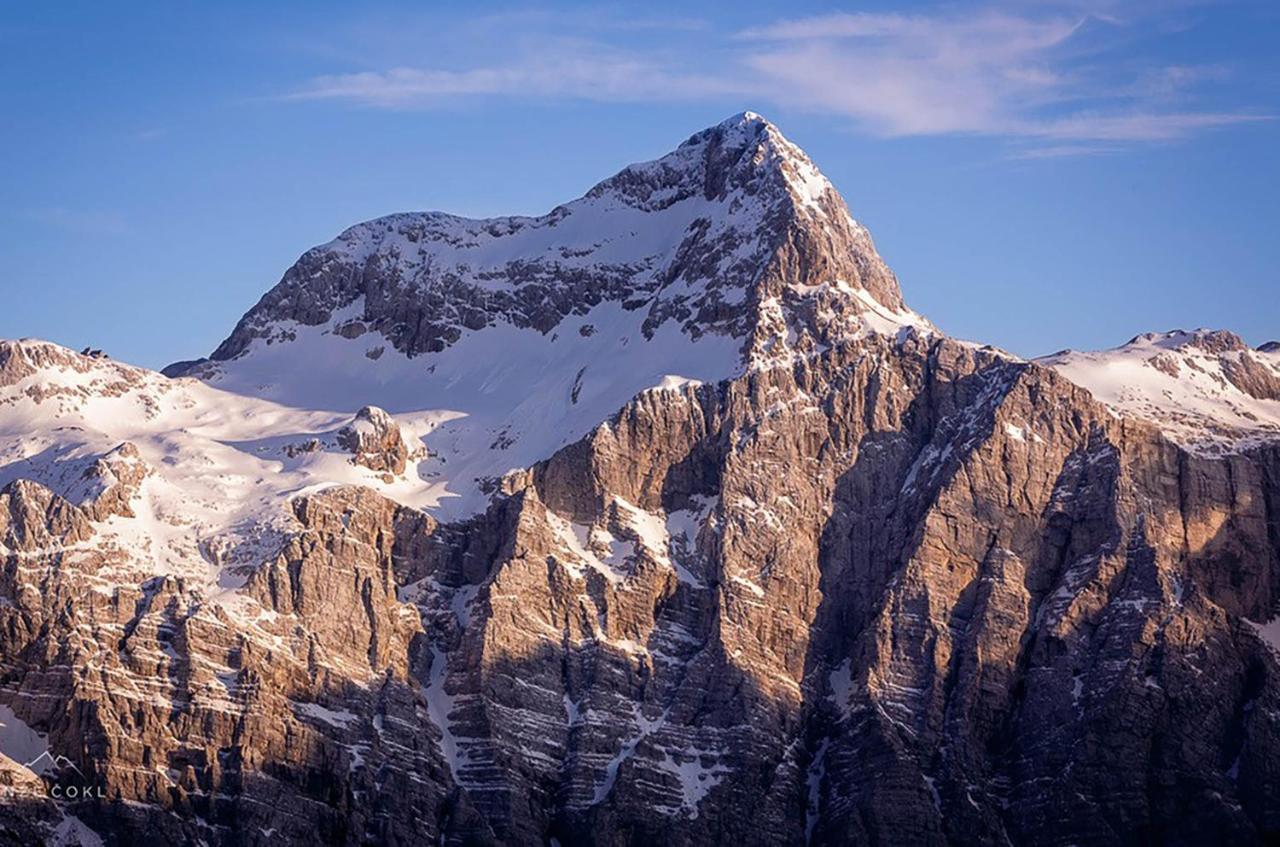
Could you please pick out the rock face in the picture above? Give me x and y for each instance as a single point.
(872, 586)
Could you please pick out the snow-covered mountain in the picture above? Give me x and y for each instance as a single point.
(700, 238)
(498, 341)
(659, 518)
(1207, 390)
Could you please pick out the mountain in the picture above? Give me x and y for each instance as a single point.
(656, 519)
(1207, 390)
(731, 253)
(700, 239)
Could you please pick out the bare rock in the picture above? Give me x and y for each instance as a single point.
(374, 439)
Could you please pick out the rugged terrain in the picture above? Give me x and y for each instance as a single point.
(656, 519)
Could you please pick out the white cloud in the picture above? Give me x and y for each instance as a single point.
(914, 75)
(1135, 126)
(575, 71)
(999, 32)
(1060, 77)
(990, 72)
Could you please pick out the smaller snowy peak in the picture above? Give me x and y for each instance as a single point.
(1207, 389)
(1206, 340)
(24, 357)
(41, 373)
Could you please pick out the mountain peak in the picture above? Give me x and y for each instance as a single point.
(1207, 340)
(729, 254)
(741, 128)
(744, 157)
(704, 237)
(746, 117)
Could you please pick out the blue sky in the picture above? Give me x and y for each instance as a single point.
(1039, 174)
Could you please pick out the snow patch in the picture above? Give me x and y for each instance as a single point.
(813, 784)
(335, 717)
(841, 682)
(696, 777)
(1269, 632)
(73, 832)
(23, 744)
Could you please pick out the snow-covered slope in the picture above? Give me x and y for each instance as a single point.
(1206, 389)
(203, 472)
(498, 399)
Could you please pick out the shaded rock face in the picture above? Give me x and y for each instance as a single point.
(880, 587)
(904, 592)
(374, 441)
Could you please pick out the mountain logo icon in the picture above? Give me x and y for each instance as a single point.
(46, 764)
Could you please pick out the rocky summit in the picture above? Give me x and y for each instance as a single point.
(658, 519)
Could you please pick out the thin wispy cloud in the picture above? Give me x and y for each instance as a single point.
(574, 73)
(927, 32)
(78, 221)
(914, 76)
(1062, 151)
(1061, 77)
(991, 73)
(1135, 126)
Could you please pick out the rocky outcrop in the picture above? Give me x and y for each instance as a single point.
(188, 714)
(108, 485)
(373, 438)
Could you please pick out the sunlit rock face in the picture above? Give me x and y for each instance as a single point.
(656, 519)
